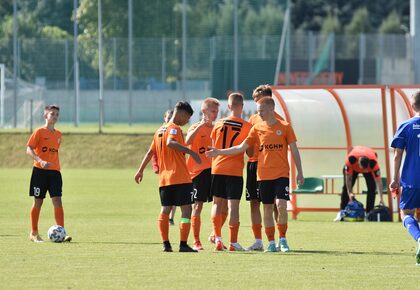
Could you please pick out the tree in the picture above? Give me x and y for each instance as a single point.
(392, 24)
(360, 22)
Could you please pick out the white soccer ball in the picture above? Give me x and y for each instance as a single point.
(56, 233)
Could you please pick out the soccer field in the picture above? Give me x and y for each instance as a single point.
(116, 244)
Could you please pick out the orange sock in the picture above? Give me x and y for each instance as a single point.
(59, 216)
(184, 229)
(256, 229)
(217, 225)
(270, 231)
(34, 218)
(234, 229)
(282, 230)
(224, 217)
(163, 225)
(196, 225)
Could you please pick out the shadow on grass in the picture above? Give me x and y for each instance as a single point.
(343, 253)
(117, 243)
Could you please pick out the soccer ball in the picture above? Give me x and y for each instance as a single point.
(56, 233)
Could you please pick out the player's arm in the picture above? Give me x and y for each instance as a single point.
(146, 159)
(192, 133)
(31, 152)
(298, 162)
(395, 182)
(173, 144)
(348, 180)
(380, 189)
(213, 152)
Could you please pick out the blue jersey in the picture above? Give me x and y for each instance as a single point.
(408, 137)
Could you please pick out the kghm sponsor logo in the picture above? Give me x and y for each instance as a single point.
(271, 147)
(416, 126)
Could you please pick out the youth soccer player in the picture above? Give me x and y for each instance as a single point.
(407, 138)
(43, 147)
(251, 179)
(272, 137)
(227, 180)
(198, 138)
(175, 185)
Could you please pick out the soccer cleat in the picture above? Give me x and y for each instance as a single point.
(167, 246)
(257, 246)
(219, 246)
(171, 222)
(418, 254)
(236, 247)
(283, 246)
(271, 248)
(67, 239)
(197, 246)
(35, 238)
(187, 249)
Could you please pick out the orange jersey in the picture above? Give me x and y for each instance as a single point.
(229, 132)
(254, 119)
(46, 144)
(356, 153)
(172, 166)
(272, 143)
(201, 142)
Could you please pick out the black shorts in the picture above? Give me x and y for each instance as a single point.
(177, 194)
(202, 184)
(226, 186)
(43, 180)
(274, 189)
(251, 181)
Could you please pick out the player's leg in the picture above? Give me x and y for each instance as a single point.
(267, 196)
(37, 190)
(172, 216)
(167, 200)
(410, 200)
(234, 189)
(282, 196)
(55, 188)
(202, 194)
(252, 196)
(184, 199)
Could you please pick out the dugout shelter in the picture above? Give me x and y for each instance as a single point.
(328, 121)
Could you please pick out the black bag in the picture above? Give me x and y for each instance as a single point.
(379, 214)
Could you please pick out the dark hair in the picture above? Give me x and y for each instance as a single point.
(416, 100)
(262, 91)
(51, 107)
(184, 106)
(364, 162)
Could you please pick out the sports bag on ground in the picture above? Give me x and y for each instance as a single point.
(354, 212)
(380, 213)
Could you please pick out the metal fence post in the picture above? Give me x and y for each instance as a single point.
(362, 47)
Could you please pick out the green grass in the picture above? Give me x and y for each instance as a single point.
(116, 244)
(109, 128)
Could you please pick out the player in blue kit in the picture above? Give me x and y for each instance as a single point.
(407, 138)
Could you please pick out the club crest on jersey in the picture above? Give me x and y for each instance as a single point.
(279, 132)
(173, 131)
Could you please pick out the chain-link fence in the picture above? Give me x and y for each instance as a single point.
(46, 72)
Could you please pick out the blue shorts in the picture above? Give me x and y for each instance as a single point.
(410, 198)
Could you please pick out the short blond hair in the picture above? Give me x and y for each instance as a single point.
(236, 99)
(209, 102)
(268, 101)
